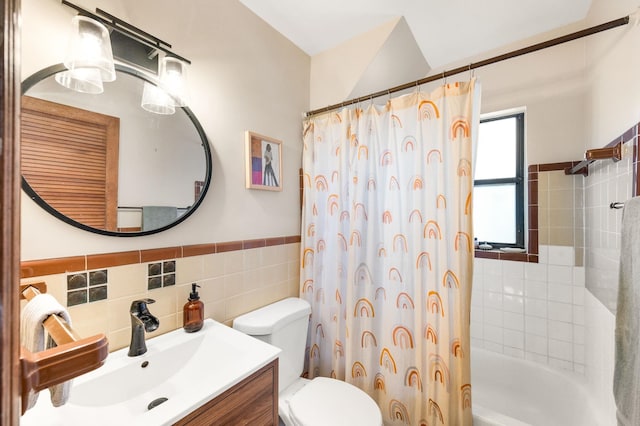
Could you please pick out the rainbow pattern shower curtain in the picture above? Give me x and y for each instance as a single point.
(387, 251)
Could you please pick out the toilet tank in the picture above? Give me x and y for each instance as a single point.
(284, 325)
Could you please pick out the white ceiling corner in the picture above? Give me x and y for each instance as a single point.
(445, 32)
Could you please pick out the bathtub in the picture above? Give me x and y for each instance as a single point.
(514, 392)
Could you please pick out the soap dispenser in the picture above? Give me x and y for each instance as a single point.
(193, 313)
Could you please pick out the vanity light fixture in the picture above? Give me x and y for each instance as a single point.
(156, 100)
(171, 90)
(87, 69)
(89, 59)
(173, 75)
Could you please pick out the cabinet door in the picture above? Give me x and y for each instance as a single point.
(254, 401)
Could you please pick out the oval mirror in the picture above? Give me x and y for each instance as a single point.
(104, 164)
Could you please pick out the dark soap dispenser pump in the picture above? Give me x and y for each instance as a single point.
(193, 313)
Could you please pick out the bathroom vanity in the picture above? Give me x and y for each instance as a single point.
(203, 378)
(258, 391)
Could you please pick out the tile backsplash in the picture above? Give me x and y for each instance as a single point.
(232, 282)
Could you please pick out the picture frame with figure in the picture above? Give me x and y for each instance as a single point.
(263, 162)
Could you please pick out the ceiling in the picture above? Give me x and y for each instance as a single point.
(444, 30)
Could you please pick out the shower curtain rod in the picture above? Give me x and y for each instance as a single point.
(513, 54)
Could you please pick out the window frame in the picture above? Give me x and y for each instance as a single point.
(518, 180)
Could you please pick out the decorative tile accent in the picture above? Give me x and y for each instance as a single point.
(155, 269)
(98, 293)
(168, 280)
(154, 282)
(97, 277)
(77, 281)
(169, 266)
(80, 291)
(76, 297)
(161, 274)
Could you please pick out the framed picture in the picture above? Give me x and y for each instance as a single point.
(263, 162)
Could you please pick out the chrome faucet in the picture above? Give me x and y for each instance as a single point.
(141, 321)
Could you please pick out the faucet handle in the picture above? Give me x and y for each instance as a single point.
(139, 306)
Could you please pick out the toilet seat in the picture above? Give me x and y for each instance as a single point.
(325, 401)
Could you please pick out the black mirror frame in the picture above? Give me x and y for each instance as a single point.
(54, 69)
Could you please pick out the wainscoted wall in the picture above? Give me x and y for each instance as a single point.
(235, 278)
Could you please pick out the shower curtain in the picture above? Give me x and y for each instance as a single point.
(387, 251)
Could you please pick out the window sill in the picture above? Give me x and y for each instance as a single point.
(500, 255)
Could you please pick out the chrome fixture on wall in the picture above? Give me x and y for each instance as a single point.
(89, 59)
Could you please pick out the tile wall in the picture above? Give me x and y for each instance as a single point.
(232, 283)
(607, 182)
(531, 310)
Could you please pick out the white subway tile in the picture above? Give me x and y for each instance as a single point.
(561, 331)
(513, 269)
(513, 321)
(493, 267)
(543, 254)
(560, 311)
(578, 354)
(560, 292)
(492, 283)
(477, 329)
(561, 350)
(513, 304)
(536, 344)
(535, 307)
(492, 333)
(578, 315)
(513, 286)
(560, 274)
(579, 334)
(493, 300)
(561, 255)
(579, 276)
(477, 314)
(578, 296)
(536, 325)
(535, 271)
(492, 317)
(535, 289)
(513, 339)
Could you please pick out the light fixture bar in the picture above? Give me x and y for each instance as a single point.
(117, 21)
(127, 29)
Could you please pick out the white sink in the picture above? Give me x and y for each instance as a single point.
(188, 369)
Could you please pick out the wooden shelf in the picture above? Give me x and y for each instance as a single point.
(608, 153)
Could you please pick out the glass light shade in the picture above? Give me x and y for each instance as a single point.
(156, 100)
(90, 47)
(173, 77)
(84, 80)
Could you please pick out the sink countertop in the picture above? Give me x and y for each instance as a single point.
(189, 369)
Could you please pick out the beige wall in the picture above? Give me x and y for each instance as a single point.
(244, 76)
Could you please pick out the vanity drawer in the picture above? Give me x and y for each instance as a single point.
(253, 401)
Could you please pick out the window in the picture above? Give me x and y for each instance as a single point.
(498, 195)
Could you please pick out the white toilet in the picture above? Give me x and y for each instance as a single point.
(302, 402)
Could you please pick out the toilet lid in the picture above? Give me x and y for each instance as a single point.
(333, 402)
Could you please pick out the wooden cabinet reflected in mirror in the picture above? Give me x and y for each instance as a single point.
(71, 156)
(105, 165)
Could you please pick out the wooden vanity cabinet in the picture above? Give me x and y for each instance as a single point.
(253, 401)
